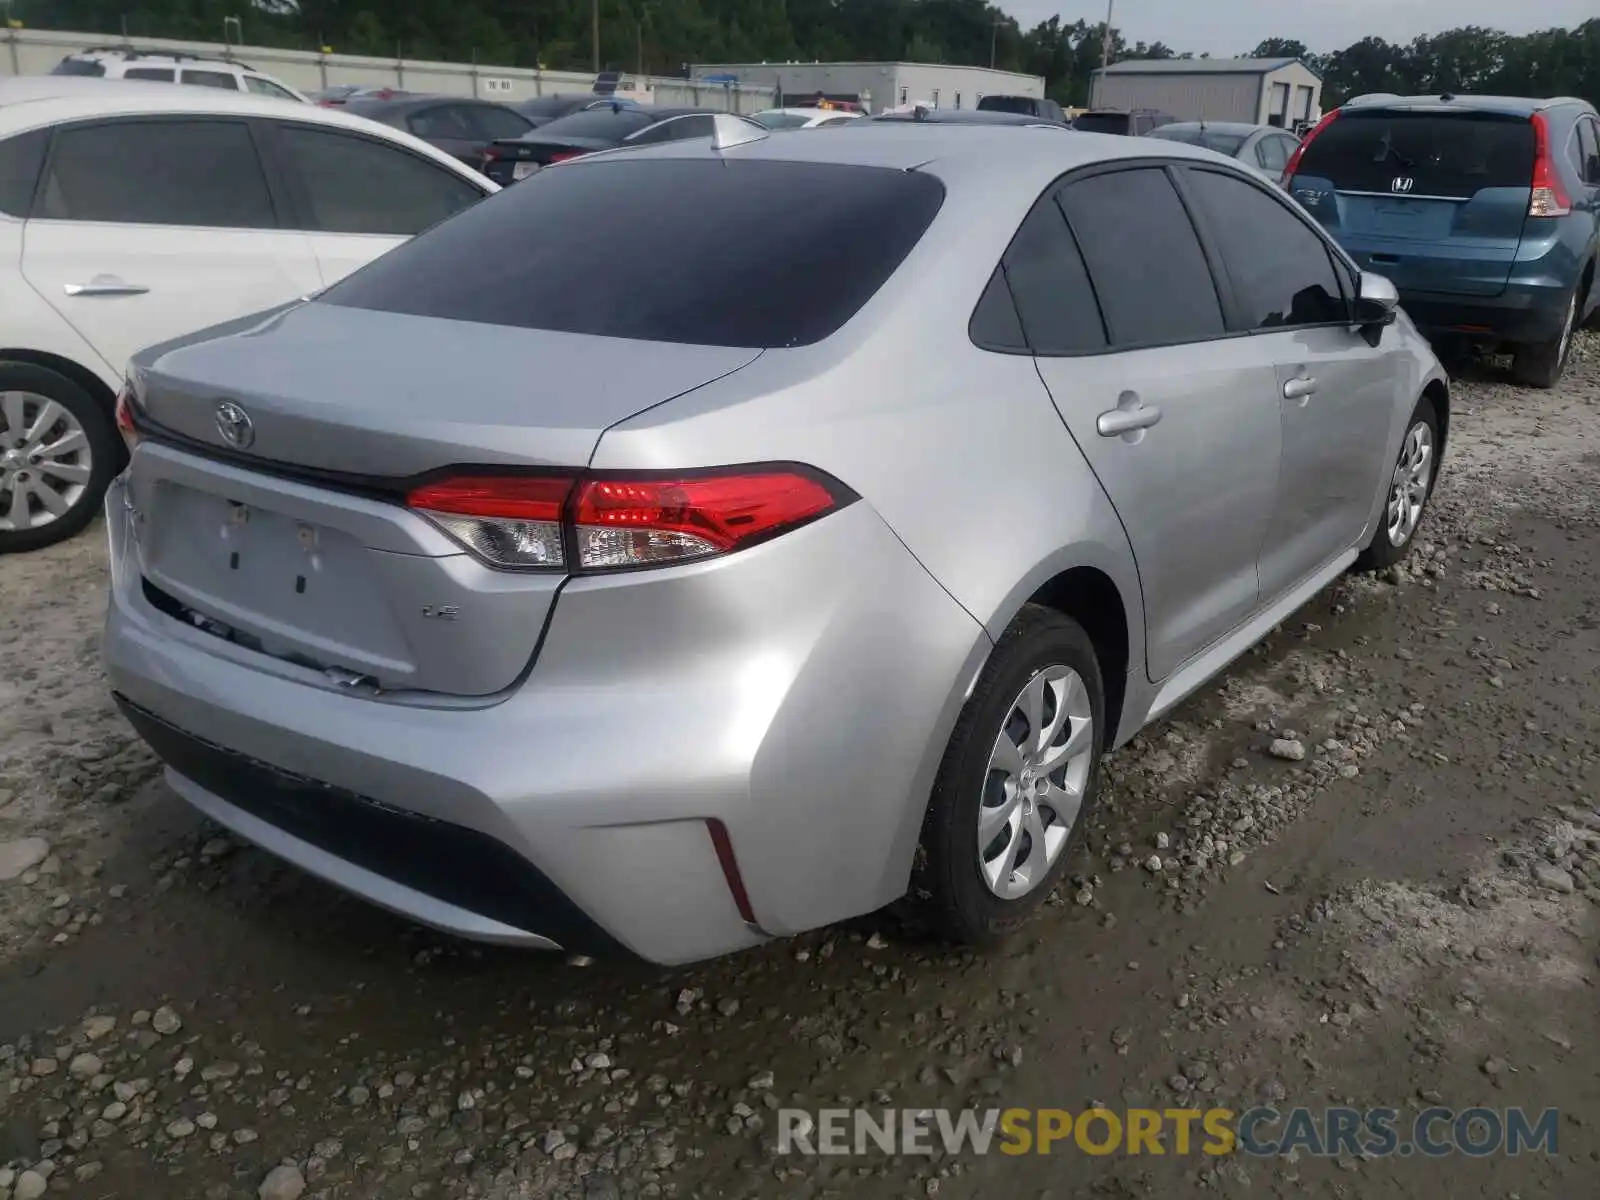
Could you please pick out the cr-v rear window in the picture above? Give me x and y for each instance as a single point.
(1103, 122)
(1442, 154)
(713, 251)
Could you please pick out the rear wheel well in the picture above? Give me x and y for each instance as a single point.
(1090, 598)
(80, 375)
(1439, 395)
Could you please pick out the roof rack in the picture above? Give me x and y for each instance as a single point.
(132, 52)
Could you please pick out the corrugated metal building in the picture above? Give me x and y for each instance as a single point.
(877, 85)
(1262, 91)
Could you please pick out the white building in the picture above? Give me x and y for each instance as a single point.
(1261, 91)
(877, 85)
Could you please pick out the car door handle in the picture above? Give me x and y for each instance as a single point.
(105, 287)
(1118, 421)
(1299, 387)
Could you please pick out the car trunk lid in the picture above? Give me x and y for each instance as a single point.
(271, 479)
(1435, 197)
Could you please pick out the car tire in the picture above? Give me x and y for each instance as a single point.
(87, 454)
(973, 894)
(1397, 526)
(1541, 365)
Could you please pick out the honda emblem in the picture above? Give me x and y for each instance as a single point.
(1402, 183)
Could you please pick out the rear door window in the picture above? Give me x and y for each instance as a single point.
(221, 80)
(491, 121)
(193, 172)
(723, 252)
(352, 184)
(443, 121)
(1144, 258)
(1454, 155)
(265, 87)
(154, 74)
(1587, 138)
(20, 159)
(1282, 273)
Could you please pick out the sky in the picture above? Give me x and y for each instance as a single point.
(1234, 26)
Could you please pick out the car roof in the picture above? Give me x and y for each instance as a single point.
(798, 111)
(1241, 127)
(366, 104)
(36, 101)
(1027, 157)
(1511, 106)
(963, 116)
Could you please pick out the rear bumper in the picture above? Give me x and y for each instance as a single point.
(798, 693)
(1521, 314)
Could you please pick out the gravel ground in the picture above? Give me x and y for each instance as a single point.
(1363, 867)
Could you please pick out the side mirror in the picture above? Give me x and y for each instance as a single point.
(1377, 302)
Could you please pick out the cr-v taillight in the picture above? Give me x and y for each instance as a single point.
(617, 521)
(1299, 151)
(124, 417)
(1549, 198)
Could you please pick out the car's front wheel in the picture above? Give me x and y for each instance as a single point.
(1017, 781)
(58, 452)
(1410, 489)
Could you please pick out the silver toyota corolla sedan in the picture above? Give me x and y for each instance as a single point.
(699, 545)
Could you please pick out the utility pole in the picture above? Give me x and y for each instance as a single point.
(1105, 56)
(994, 38)
(595, 13)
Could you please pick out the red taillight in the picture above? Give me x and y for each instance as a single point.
(508, 521)
(607, 523)
(1549, 198)
(124, 417)
(490, 155)
(1299, 151)
(563, 156)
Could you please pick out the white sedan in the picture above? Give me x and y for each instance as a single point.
(803, 118)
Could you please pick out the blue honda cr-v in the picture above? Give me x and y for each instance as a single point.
(1483, 210)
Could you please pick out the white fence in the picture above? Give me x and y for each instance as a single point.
(36, 51)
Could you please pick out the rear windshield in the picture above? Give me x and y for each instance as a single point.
(1026, 105)
(612, 123)
(751, 253)
(78, 66)
(1439, 154)
(1103, 122)
(1210, 139)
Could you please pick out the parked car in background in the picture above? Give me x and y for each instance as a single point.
(460, 126)
(541, 110)
(608, 126)
(1027, 106)
(802, 118)
(1265, 149)
(131, 214)
(966, 116)
(615, 565)
(1127, 122)
(224, 74)
(343, 93)
(1485, 211)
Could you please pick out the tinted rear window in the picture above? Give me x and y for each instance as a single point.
(1011, 104)
(1442, 155)
(20, 159)
(749, 253)
(78, 66)
(1210, 139)
(1103, 122)
(596, 123)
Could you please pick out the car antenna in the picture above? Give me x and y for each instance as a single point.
(728, 131)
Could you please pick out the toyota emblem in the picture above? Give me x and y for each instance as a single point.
(235, 425)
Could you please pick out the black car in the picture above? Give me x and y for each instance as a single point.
(1134, 122)
(968, 116)
(1027, 106)
(458, 125)
(541, 110)
(606, 127)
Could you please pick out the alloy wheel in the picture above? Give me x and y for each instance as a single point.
(1035, 784)
(1408, 491)
(45, 461)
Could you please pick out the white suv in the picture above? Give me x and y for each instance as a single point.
(130, 215)
(225, 74)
